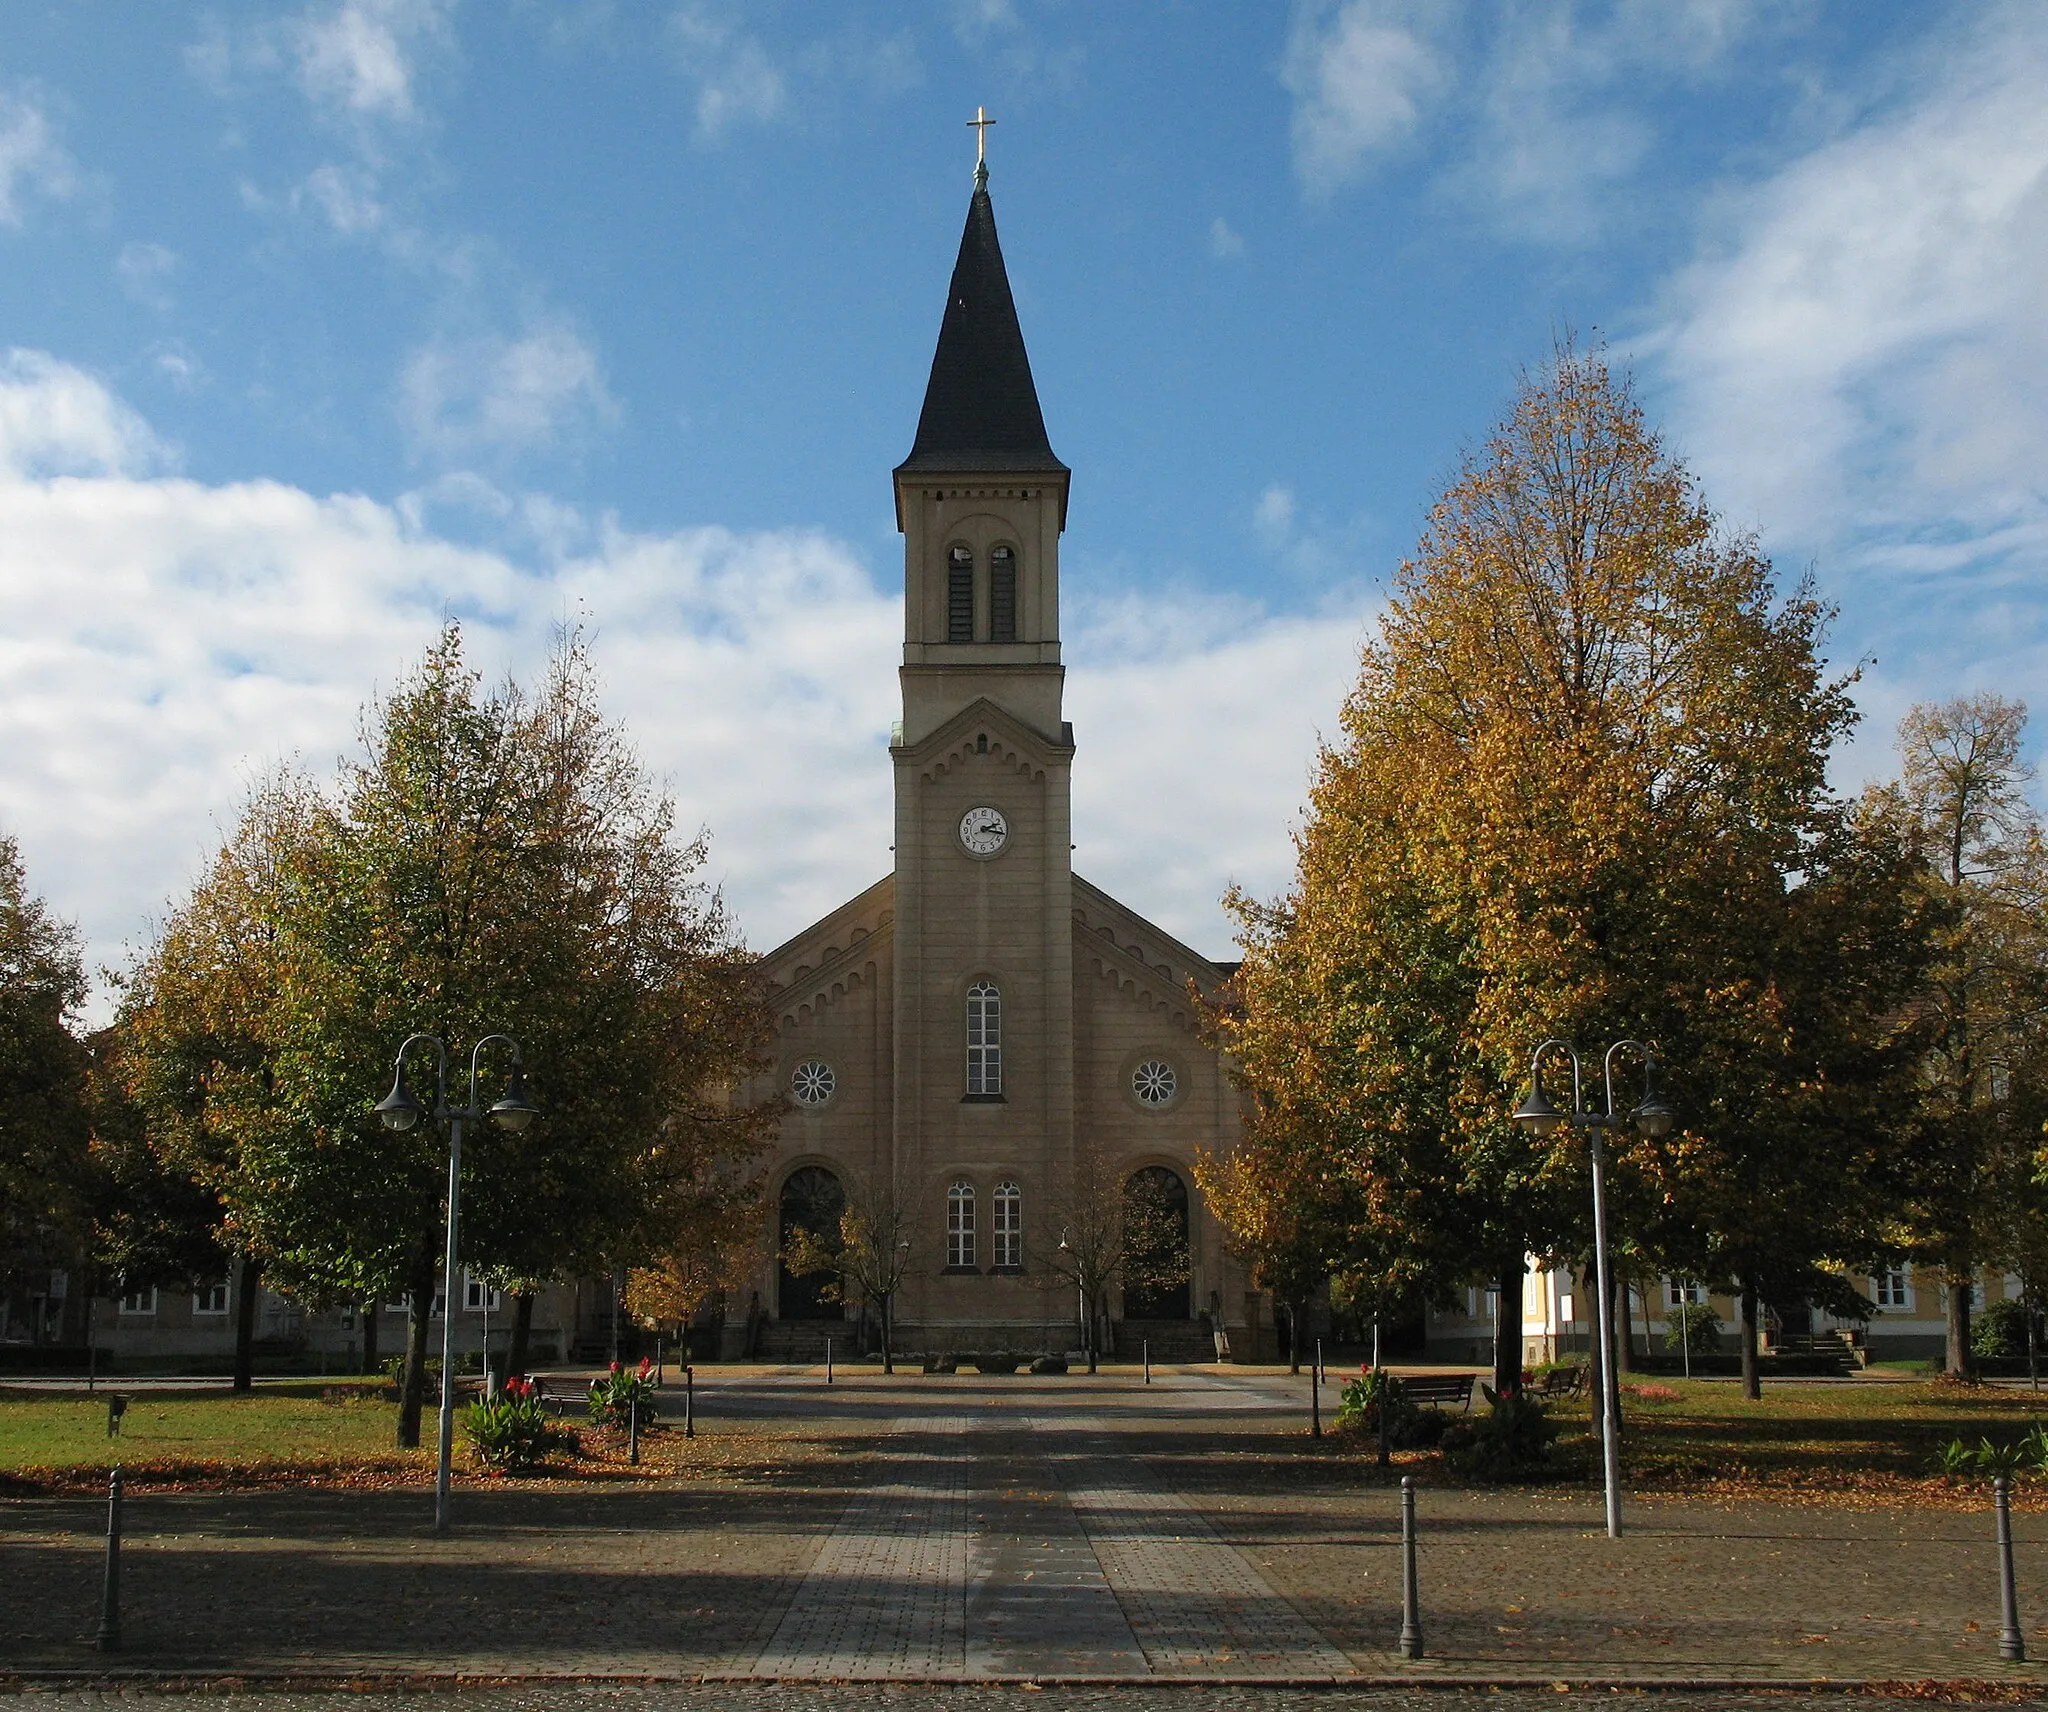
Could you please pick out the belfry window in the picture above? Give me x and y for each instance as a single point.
(1002, 595)
(960, 1228)
(960, 595)
(1009, 1228)
(984, 1039)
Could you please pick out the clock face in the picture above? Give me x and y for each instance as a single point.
(983, 831)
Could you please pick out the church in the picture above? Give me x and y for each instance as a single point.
(982, 1034)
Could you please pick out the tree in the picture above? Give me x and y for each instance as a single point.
(493, 862)
(700, 1241)
(1113, 1229)
(1585, 760)
(1961, 800)
(867, 1249)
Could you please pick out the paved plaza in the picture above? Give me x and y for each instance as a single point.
(963, 1528)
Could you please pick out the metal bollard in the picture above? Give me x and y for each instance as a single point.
(108, 1640)
(1315, 1407)
(689, 1402)
(1145, 1352)
(1319, 1361)
(828, 1361)
(1410, 1644)
(2011, 1644)
(633, 1430)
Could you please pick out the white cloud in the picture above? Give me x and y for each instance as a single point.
(736, 80)
(358, 58)
(1273, 517)
(32, 161)
(1225, 244)
(345, 196)
(144, 271)
(495, 395)
(1360, 81)
(164, 641)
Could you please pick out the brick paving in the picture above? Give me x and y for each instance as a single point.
(963, 1528)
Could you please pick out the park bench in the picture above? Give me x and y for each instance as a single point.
(1439, 1390)
(1563, 1382)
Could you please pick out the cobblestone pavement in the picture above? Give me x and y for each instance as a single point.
(964, 1527)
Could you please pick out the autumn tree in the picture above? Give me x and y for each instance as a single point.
(1106, 1227)
(1584, 761)
(865, 1246)
(1961, 798)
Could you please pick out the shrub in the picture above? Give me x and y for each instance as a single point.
(1408, 1426)
(947, 1363)
(1695, 1324)
(1050, 1364)
(1512, 1437)
(998, 1361)
(510, 1431)
(1999, 1333)
(613, 1395)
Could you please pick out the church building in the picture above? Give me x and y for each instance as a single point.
(982, 1033)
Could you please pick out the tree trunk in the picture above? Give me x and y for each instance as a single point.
(1752, 1377)
(412, 1376)
(1507, 1330)
(1960, 1276)
(370, 1336)
(246, 1284)
(522, 1333)
(1293, 1337)
(1624, 1341)
(888, 1354)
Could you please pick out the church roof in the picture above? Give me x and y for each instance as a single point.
(981, 406)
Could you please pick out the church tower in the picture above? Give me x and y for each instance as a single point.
(983, 984)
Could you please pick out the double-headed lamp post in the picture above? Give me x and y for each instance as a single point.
(399, 1110)
(1652, 1118)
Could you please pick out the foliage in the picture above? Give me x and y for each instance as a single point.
(1372, 1390)
(509, 1431)
(1694, 1328)
(1103, 1228)
(867, 1249)
(1512, 1438)
(998, 1361)
(1581, 789)
(614, 1393)
(1999, 1333)
(701, 1239)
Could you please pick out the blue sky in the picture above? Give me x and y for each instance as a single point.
(321, 320)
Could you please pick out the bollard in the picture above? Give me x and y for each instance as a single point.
(108, 1640)
(828, 1361)
(689, 1402)
(1410, 1645)
(1319, 1361)
(633, 1429)
(1315, 1406)
(116, 1408)
(2011, 1644)
(1145, 1352)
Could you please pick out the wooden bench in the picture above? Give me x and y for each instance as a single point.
(1563, 1382)
(1439, 1390)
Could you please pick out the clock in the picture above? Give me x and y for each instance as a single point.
(983, 831)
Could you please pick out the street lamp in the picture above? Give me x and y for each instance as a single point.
(1652, 1117)
(399, 1111)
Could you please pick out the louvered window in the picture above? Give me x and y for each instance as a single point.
(1002, 595)
(960, 595)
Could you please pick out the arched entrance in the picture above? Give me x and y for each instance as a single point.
(1156, 1245)
(812, 1200)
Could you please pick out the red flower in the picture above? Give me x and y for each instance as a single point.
(615, 1367)
(646, 1366)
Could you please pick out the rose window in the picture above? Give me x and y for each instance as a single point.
(1154, 1082)
(812, 1082)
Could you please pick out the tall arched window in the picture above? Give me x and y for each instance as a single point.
(1009, 1228)
(960, 1228)
(984, 1039)
(960, 595)
(1002, 595)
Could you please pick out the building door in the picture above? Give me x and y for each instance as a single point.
(812, 1200)
(1156, 1245)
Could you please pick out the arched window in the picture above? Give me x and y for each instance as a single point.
(1002, 595)
(984, 1039)
(960, 595)
(960, 1228)
(1009, 1228)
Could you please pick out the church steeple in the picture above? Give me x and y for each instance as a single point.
(981, 410)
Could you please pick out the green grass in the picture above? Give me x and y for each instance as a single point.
(283, 1423)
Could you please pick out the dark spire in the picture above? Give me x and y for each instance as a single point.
(980, 406)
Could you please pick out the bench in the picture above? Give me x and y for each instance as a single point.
(1439, 1390)
(1563, 1382)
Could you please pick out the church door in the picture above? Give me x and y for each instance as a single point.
(812, 1200)
(1156, 1251)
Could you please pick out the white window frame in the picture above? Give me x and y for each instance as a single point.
(1009, 1231)
(137, 1303)
(480, 1296)
(207, 1294)
(984, 1039)
(960, 1227)
(1892, 1289)
(1683, 1292)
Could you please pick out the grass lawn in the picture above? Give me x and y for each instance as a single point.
(298, 1423)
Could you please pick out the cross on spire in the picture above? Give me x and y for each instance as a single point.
(979, 125)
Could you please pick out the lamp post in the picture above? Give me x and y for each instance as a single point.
(399, 1111)
(1652, 1118)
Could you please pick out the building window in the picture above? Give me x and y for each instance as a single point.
(139, 1301)
(984, 1039)
(812, 1082)
(960, 595)
(1889, 1289)
(210, 1298)
(960, 1228)
(1683, 1292)
(1002, 595)
(480, 1295)
(1009, 1228)
(1154, 1082)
